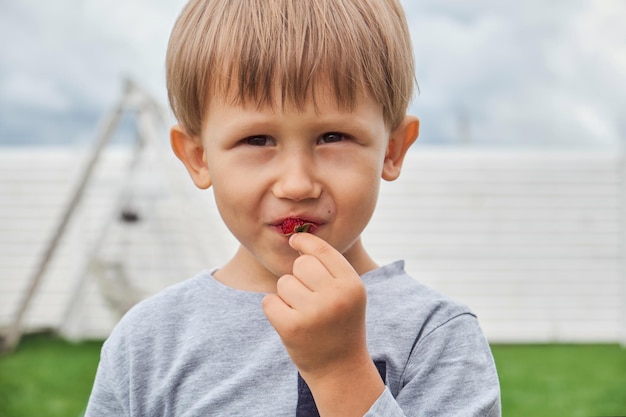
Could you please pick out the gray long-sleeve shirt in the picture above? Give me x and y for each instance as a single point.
(200, 348)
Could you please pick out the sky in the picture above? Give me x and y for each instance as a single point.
(547, 74)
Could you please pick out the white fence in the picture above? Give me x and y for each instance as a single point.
(531, 241)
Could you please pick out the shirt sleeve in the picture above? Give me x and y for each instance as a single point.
(450, 373)
(105, 400)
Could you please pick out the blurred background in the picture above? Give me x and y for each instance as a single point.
(492, 73)
(512, 200)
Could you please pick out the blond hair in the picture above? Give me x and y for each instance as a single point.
(281, 51)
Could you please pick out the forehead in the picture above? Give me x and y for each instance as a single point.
(230, 112)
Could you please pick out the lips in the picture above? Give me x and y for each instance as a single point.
(293, 225)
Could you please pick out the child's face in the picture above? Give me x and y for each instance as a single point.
(271, 167)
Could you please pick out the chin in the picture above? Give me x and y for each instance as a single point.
(282, 264)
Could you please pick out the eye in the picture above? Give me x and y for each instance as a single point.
(332, 137)
(260, 140)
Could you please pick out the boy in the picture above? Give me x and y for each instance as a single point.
(292, 111)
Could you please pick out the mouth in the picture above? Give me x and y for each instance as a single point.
(291, 225)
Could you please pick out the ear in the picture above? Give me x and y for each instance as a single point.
(189, 149)
(400, 140)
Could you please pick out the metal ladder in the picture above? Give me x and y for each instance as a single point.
(148, 114)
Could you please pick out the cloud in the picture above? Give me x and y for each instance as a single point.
(492, 73)
(520, 73)
(22, 89)
(66, 60)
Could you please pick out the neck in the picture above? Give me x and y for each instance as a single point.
(243, 272)
(358, 257)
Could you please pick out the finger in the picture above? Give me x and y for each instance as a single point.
(311, 272)
(276, 310)
(292, 291)
(333, 261)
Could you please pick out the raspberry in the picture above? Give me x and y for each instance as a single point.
(291, 226)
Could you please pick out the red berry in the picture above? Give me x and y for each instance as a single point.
(293, 225)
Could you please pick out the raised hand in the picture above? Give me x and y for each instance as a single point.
(319, 313)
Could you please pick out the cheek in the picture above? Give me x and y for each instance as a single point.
(356, 194)
(233, 197)
(363, 203)
(354, 173)
(366, 163)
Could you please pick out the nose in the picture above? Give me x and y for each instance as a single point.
(297, 179)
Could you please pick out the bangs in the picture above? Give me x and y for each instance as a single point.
(284, 60)
(286, 52)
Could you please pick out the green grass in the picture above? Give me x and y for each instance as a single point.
(562, 380)
(48, 377)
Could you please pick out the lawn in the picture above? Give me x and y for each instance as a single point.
(48, 377)
(562, 380)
